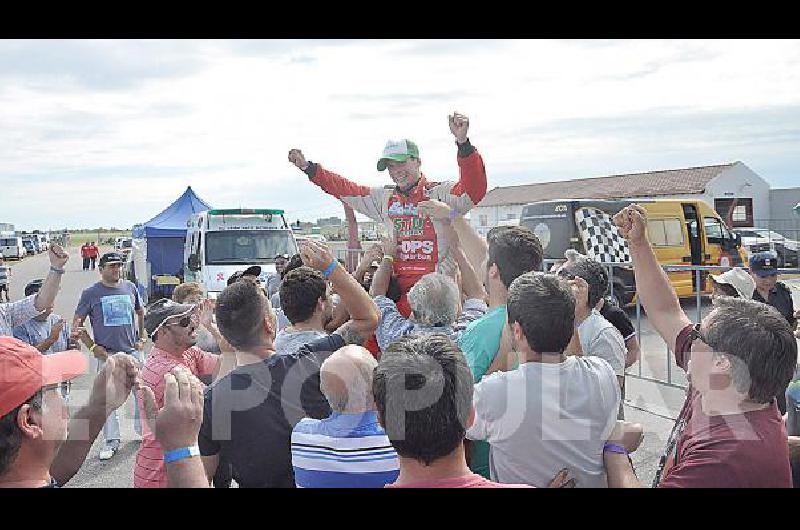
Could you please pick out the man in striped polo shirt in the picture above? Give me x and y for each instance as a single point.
(349, 449)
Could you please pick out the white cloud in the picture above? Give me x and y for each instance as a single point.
(119, 128)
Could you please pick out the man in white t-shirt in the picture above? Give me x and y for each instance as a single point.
(598, 336)
(555, 411)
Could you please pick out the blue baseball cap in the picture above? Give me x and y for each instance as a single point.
(764, 264)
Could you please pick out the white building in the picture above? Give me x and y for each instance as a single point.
(717, 185)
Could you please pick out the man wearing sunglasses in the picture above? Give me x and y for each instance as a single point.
(173, 328)
(40, 446)
(738, 359)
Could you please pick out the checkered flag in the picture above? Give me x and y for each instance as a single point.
(600, 236)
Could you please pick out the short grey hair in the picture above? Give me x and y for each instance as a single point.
(435, 299)
(345, 380)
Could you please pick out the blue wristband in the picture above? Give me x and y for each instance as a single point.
(327, 272)
(614, 448)
(180, 454)
(453, 214)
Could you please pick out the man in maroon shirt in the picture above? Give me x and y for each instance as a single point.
(729, 432)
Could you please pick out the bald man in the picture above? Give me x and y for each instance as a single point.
(356, 450)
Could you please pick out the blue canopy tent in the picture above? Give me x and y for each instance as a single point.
(164, 237)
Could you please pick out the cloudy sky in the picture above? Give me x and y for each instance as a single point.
(108, 133)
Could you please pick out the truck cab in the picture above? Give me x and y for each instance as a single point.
(222, 242)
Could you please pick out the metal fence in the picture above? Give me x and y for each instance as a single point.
(700, 274)
(699, 278)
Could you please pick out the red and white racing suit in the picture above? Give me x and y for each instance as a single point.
(420, 245)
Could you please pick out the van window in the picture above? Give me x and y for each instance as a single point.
(8, 243)
(713, 230)
(665, 232)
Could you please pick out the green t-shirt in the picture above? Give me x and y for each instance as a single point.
(481, 340)
(479, 343)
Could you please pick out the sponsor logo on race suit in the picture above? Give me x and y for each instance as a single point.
(417, 248)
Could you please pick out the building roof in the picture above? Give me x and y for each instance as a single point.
(651, 184)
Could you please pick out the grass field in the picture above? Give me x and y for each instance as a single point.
(77, 240)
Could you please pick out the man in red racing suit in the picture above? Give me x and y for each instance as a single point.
(421, 246)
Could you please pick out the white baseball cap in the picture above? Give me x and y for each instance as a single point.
(739, 279)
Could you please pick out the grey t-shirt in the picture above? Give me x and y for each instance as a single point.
(5, 272)
(111, 312)
(544, 417)
(291, 341)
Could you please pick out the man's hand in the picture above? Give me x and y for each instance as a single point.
(207, 313)
(57, 327)
(58, 258)
(562, 480)
(459, 125)
(389, 245)
(434, 209)
(374, 253)
(581, 291)
(178, 422)
(316, 255)
(632, 224)
(628, 435)
(114, 382)
(296, 157)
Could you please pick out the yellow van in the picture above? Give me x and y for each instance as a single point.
(682, 232)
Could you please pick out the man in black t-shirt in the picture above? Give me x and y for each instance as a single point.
(248, 415)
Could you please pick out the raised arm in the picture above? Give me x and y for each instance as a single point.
(470, 188)
(471, 284)
(46, 296)
(363, 311)
(110, 390)
(363, 199)
(652, 284)
(382, 276)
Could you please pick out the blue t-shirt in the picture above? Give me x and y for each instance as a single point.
(343, 451)
(111, 312)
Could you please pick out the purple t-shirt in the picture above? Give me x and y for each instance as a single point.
(746, 450)
(111, 312)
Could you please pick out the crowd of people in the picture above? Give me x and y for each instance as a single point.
(444, 360)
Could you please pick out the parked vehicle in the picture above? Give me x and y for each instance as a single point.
(762, 240)
(682, 232)
(31, 248)
(221, 242)
(12, 247)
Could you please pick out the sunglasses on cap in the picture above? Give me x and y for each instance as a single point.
(183, 322)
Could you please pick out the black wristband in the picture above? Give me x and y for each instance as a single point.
(311, 169)
(465, 149)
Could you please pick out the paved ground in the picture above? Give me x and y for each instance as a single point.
(654, 405)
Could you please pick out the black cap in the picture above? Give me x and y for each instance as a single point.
(33, 286)
(253, 270)
(284, 256)
(111, 257)
(764, 263)
(161, 310)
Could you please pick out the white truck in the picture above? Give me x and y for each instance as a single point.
(221, 242)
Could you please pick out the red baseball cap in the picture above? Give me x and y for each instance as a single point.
(24, 370)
